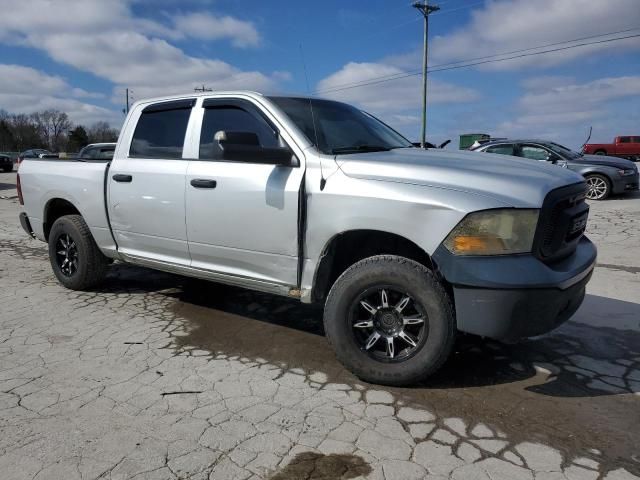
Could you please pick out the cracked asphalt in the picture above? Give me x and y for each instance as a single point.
(155, 376)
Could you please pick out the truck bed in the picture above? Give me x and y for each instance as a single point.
(80, 183)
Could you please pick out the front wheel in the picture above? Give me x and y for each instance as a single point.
(598, 187)
(389, 320)
(76, 260)
(8, 168)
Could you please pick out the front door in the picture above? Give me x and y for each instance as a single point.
(242, 217)
(147, 186)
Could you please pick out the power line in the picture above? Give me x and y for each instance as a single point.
(473, 61)
(461, 7)
(391, 76)
(412, 74)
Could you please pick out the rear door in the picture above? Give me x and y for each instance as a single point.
(146, 185)
(625, 146)
(242, 217)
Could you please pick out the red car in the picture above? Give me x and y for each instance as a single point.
(624, 146)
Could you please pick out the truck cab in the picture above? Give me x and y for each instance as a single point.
(626, 146)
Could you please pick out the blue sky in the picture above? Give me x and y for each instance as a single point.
(79, 55)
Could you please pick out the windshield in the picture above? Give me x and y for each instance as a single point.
(563, 151)
(338, 128)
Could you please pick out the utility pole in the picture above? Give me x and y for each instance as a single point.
(127, 100)
(425, 9)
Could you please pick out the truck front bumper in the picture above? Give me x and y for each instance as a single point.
(517, 296)
(626, 183)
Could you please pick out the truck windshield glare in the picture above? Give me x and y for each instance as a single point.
(338, 128)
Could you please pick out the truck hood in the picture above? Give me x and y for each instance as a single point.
(604, 161)
(512, 181)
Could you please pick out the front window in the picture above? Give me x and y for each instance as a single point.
(535, 153)
(232, 118)
(337, 128)
(563, 151)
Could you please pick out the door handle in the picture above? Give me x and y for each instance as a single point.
(119, 177)
(203, 183)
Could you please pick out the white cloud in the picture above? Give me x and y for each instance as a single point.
(508, 25)
(502, 26)
(27, 90)
(206, 26)
(397, 102)
(392, 96)
(17, 79)
(565, 112)
(107, 40)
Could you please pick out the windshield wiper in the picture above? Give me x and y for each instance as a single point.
(360, 148)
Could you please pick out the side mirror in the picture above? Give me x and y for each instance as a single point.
(553, 158)
(245, 147)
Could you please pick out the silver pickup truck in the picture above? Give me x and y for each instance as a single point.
(320, 201)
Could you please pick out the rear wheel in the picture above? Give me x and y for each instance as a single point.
(389, 320)
(76, 260)
(598, 187)
(600, 152)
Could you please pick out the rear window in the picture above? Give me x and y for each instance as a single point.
(161, 130)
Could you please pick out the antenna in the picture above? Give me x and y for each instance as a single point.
(323, 181)
(588, 138)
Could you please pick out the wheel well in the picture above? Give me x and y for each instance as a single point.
(350, 247)
(55, 209)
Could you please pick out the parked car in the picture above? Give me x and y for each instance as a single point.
(604, 175)
(97, 151)
(402, 246)
(33, 153)
(624, 146)
(6, 163)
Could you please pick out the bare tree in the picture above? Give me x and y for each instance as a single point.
(101, 132)
(53, 125)
(25, 132)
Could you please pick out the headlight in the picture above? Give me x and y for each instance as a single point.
(494, 232)
(628, 171)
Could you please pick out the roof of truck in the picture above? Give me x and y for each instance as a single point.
(249, 93)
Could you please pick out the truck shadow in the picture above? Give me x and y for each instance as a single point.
(577, 360)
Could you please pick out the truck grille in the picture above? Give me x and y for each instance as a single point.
(562, 222)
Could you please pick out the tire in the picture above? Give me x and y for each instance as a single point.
(600, 152)
(599, 186)
(86, 266)
(349, 334)
(7, 168)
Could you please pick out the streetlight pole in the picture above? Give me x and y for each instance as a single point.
(426, 10)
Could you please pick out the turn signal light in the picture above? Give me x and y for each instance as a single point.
(477, 244)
